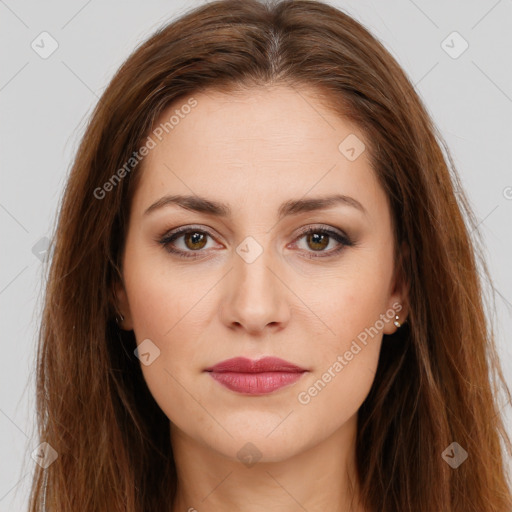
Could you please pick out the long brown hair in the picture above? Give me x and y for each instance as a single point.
(438, 377)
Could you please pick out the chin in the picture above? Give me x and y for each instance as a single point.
(260, 438)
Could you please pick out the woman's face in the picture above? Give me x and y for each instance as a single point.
(244, 280)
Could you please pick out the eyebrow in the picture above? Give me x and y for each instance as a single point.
(291, 207)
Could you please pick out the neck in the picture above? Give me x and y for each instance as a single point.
(319, 478)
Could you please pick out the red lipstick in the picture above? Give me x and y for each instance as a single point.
(255, 377)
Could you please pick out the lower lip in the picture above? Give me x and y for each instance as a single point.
(256, 383)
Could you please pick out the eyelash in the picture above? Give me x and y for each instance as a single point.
(166, 241)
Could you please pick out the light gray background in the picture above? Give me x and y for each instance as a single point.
(44, 104)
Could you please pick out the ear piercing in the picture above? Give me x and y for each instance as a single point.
(396, 322)
(119, 319)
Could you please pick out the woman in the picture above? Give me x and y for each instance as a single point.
(263, 292)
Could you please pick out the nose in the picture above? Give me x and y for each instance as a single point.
(255, 298)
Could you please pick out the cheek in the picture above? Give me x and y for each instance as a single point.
(346, 358)
(170, 309)
(171, 315)
(163, 297)
(351, 309)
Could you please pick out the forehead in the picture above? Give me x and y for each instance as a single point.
(276, 119)
(261, 143)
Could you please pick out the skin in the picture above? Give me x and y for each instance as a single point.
(254, 151)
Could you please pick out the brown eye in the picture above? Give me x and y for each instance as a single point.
(194, 240)
(317, 241)
(187, 242)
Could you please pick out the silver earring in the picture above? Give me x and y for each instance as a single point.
(396, 322)
(119, 319)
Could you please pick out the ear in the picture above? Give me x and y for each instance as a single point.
(122, 306)
(399, 297)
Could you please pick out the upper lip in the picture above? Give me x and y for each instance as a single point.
(265, 364)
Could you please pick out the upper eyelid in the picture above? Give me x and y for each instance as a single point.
(303, 231)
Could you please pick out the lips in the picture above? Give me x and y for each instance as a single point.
(258, 377)
(244, 365)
